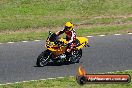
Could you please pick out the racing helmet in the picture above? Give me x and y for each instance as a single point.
(68, 26)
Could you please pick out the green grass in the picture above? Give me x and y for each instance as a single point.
(68, 82)
(104, 30)
(22, 36)
(111, 20)
(14, 37)
(17, 14)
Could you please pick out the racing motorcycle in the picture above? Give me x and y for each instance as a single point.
(56, 50)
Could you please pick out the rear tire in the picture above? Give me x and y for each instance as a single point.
(43, 58)
(76, 55)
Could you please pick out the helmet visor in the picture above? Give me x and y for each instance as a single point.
(67, 28)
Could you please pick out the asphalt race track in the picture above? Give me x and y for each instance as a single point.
(106, 54)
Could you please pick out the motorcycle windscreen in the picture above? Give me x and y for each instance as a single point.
(53, 38)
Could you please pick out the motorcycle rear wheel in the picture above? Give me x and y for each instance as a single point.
(43, 58)
(76, 55)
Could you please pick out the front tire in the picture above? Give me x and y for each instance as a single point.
(43, 58)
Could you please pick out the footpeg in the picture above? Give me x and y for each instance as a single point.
(88, 45)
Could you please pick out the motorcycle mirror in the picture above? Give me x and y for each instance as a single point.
(50, 32)
(49, 35)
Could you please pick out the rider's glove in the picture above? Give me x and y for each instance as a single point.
(68, 45)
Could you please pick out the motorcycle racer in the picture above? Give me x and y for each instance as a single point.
(57, 50)
(70, 35)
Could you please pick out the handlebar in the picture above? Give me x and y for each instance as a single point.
(60, 43)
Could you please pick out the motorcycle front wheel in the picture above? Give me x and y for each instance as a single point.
(43, 58)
